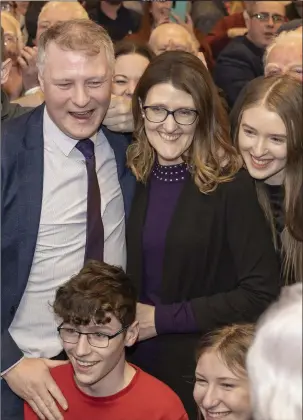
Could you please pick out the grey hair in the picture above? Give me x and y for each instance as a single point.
(290, 37)
(274, 361)
(81, 35)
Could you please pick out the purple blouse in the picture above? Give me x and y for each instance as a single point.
(165, 187)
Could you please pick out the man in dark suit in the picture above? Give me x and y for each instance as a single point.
(241, 61)
(61, 171)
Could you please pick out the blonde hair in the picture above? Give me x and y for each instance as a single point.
(76, 35)
(231, 344)
(274, 360)
(289, 37)
(16, 26)
(211, 157)
(80, 12)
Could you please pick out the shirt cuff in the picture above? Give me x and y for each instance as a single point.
(175, 318)
(11, 367)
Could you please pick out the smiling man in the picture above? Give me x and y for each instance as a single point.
(97, 311)
(65, 196)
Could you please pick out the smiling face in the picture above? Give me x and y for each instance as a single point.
(77, 90)
(263, 144)
(218, 392)
(169, 139)
(98, 370)
(128, 70)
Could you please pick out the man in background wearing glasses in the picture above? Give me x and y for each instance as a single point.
(242, 60)
(97, 310)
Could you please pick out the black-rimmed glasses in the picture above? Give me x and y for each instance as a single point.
(158, 114)
(264, 17)
(97, 339)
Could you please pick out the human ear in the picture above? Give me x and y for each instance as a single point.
(132, 334)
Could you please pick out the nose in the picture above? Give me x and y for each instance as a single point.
(170, 124)
(211, 398)
(130, 89)
(270, 22)
(259, 148)
(83, 347)
(80, 96)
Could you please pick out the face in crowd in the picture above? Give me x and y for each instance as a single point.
(160, 11)
(263, 19)
(219, 392)
(170, 120)
(263, 144)
(127, 72)
(77, 89)
(171, 37)
(286, 58)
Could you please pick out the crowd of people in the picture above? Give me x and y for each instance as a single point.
(152, 210)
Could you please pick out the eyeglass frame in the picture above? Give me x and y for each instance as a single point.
(110, 337)
(269, 15)
(170, 113)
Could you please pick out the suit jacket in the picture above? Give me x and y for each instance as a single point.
(22, 182)
(239, 63)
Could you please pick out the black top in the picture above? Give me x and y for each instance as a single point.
(219, 257)
(127, 22)
(238, 63)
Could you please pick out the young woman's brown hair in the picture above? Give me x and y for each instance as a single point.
(211, 157)
(282, 95)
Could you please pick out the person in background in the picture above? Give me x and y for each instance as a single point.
(131, 62)
(274, 360)
(51, 13)
(198, 246)
(227, 28)
(222, 386)
(8, 110)
(118, 20)
(13, 44)
(64, 180)
(174, 37)
(284, 55)
(97, 313)
(242, 60)
(268, 132)
(157, 13)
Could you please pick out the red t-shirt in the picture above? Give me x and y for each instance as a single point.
(145, 398)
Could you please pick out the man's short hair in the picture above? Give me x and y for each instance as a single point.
(274, 360)
(98, 290)
(291, 37)
(79, 35)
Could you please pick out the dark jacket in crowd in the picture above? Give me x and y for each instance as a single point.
(292, 12)
(239, 63)
(127, 21)
(9, 110)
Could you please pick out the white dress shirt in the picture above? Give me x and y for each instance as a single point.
(61, 238)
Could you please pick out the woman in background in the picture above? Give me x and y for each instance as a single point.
(269, 134)
(131, 62)
(222, 387)
(199, 249)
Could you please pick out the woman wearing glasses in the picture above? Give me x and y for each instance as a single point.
(199, 249)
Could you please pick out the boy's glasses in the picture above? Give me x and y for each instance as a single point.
(264, 17)
(97, 339)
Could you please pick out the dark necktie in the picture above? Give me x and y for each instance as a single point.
(94, 229)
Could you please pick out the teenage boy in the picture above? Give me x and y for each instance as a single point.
(97, 310)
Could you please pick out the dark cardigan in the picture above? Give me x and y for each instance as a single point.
(219, 256)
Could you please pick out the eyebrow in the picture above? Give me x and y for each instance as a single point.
(120, 75)
(282, 136)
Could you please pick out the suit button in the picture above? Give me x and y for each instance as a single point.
(13, 310)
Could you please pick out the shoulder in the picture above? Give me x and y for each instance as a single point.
(118, 141)
(242, 185)
(166, 398)
(62, 373)
(236, 48)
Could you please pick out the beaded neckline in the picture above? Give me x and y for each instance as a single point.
(171, 173)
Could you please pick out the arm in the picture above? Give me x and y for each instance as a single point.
(250, 243)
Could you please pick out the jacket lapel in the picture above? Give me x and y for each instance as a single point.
(30, 180)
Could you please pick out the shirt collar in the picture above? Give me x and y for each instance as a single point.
(65, 143)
